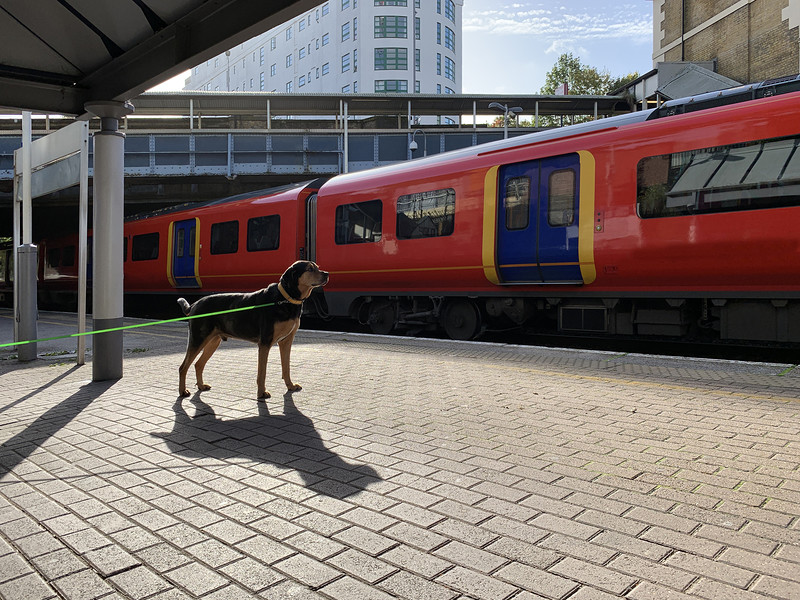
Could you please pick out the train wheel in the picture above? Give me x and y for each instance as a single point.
(381, 317)
(462, 320)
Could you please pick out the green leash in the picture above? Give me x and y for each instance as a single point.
(72, 335)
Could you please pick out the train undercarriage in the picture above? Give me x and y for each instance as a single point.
(467, 317)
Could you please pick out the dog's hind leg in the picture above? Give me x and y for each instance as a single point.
(209, 347)
(285, 346)
(263, 354)
(191, 353)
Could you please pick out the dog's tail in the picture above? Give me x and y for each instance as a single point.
(184, 306)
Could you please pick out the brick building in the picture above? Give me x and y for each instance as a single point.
(750, 40)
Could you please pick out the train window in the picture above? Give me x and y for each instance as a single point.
(561, 198)
(144, 246)
(68, 257)
(517, 202)
(359, 223)
(749, 176)
(180, 239)
(53, 257)
(225, 237)
(427, 214)
(263, 233)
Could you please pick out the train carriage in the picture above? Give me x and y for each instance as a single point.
(679, 222)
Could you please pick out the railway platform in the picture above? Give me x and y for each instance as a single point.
(404, 468)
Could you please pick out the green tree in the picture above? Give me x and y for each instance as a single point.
(580, 78)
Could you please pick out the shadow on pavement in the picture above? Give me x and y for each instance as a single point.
(288, 441)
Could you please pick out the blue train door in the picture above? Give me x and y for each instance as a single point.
(537, 221)
(184, 254)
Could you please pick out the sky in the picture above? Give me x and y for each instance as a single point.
(509, 46)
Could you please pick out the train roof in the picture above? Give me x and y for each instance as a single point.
(314, 183)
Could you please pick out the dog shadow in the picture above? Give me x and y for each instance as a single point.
(288, 442)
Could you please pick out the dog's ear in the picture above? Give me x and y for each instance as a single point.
(290, 278)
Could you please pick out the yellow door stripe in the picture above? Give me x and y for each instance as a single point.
(489, 225)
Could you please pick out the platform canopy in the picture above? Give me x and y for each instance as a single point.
(60, 54)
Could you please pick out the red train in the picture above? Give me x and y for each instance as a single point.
(682, 221)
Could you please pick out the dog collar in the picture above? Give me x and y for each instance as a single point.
(286, 295)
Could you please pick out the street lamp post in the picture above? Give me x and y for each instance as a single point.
(413, 146)
(505, 109)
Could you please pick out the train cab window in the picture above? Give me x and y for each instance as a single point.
(517, 202)
(225, 237)
(359, 223)
(53, 257)
(144, 246)
(426, 214)
(561, 198)
(749, 176)
(68, 256)
(263, 233)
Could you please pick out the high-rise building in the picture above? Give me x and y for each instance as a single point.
(347, 46)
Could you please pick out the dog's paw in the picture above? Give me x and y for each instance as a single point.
(264, 395)
(204, 388)
(294, 387)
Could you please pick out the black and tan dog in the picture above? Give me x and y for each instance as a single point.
(266, 326)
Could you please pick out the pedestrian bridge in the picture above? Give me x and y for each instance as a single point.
(199, 134)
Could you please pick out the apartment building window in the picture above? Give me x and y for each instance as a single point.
(326, 68)
(355, 28)
(290, 87)
(438, 63)
(325, 9)
(346, 89)
(346, 62)
(346, 31)
(289, 60)
(450, 10)
(391, 85)
(273, 70)
(449, 39)
(301, 53)
(449, 68)
(391, 59)
(438, 7)
(288, 34)
(261, 56)
(345, 4)
(302, 81)
(439, 33)
(261, 82)
(301, 25)
(391, 27)
(251, 83)
(326, 39)
(448, 90)
(273, 43)
(416, 59)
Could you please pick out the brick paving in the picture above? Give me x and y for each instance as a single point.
(405, 468)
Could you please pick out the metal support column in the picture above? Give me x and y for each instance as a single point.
(108, 232)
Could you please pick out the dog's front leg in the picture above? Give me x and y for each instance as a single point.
(263, 354)
(285, 346)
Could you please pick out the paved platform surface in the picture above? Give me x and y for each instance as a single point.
(405, 468)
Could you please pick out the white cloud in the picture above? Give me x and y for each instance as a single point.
(606, 22)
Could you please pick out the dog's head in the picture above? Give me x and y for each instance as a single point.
(302, 277)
